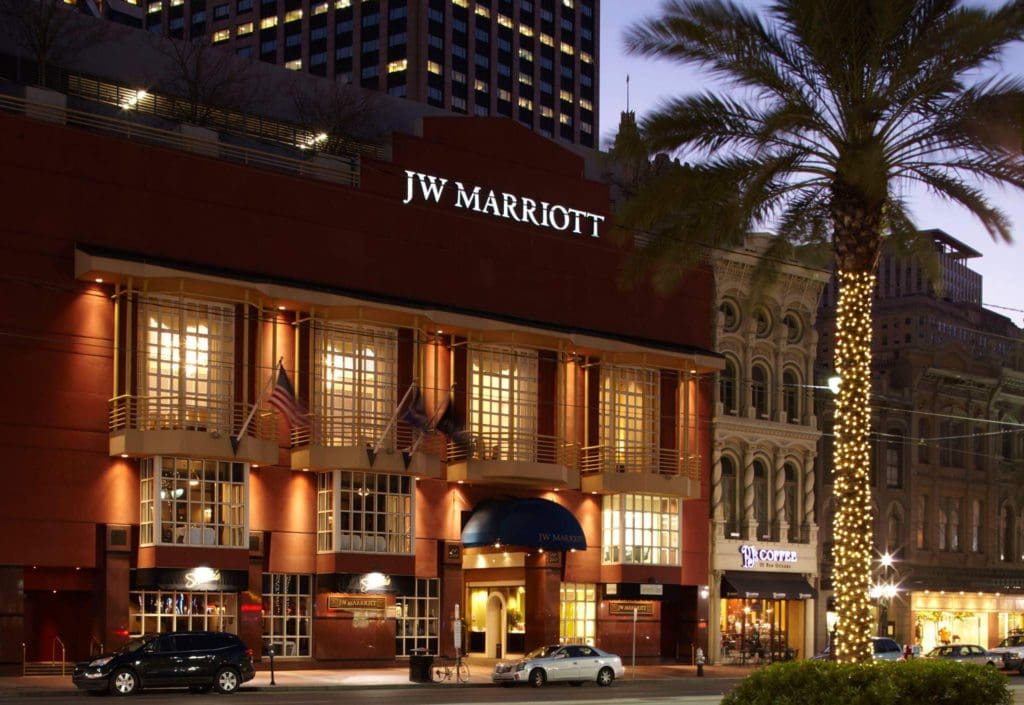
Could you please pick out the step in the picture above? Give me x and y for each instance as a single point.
(47, 668)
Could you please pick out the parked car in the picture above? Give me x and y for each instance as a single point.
(886, 649)
(200, 661)
(1011, 650)
(573, 663)
(964, 653)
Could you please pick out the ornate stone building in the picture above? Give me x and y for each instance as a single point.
(765, 434)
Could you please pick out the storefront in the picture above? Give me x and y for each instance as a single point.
(941, 617)
(761, 603)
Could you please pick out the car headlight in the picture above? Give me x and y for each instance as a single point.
(521, 666)
(101, 662)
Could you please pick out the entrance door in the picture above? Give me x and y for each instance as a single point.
(496, 623)
(65, 615)
(495, 643)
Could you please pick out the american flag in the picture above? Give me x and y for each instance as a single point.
(282, 398)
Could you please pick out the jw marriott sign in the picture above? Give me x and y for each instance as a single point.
(509, 206)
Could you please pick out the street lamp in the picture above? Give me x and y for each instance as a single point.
(884, 590)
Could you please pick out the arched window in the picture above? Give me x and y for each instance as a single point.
(759, 391)
(730, 316)
(894, 530)
(894, 460)
(1007, 532)
(794, 328)
(730, 498)
(976, 526)
(727, 386)
(791, 396)
(790, 508)
(921, 522)
(763, 323)
(761, 499)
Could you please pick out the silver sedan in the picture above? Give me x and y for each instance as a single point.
(964, 653)
(572, 663)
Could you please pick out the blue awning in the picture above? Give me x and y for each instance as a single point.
(531, 522)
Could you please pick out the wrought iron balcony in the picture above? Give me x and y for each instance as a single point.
(521, 458)
(640, 468)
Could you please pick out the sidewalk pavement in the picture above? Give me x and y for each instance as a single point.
(344, 678)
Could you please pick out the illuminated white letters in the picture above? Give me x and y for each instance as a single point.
(520, 209)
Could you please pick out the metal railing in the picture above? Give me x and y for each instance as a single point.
(24, 659)
(639, 459)
(337, 170)
(365, 430)
(519, 447)
(147, 413)
(63, 653)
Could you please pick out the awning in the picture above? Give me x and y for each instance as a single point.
(531, 522)
(766, 586)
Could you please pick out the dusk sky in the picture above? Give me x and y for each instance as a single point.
(1001, 265)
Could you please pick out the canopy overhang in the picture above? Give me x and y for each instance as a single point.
(530, 522)
(766, 586)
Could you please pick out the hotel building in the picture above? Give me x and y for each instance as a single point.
(465, 280)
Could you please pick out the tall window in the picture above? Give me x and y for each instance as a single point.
(372, 512)
(417, 624)
(976, 526)
(951, 443)
(727, 386)
(761, 499)
(193, 502)
(355, 377)
(790, 498)
(577, 613)
(1007, 534)
(187, 374)
(629, 415)
(153, 611)
(759, 391)
(894, 533)
(894, 460)
(921, 522)
(288, 614)
(954, 524)
(503, 402)
(791, 396)
(941, 525)
(730, 497)
(642, 529)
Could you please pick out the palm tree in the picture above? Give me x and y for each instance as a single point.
(836, 107)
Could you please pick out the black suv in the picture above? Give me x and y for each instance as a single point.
(197, 660)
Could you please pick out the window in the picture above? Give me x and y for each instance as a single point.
(577, 613)
(369, 512)
(193, 502)
(894, 460)
(794, 328)
(417, 624)
(976, 526)
(628, 417)
(730, 498)
(640, 529)
(791, 396)
(759, 391)
(954, 524)
(354, 378)
(727, 386)
(941, 522)
(921, 522)
(288, 614)
(1007, 533)
(503, 402)
(153, 611)
(187, 372)
(894, 531)
(762, 323)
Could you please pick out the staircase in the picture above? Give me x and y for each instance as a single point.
(47, 668)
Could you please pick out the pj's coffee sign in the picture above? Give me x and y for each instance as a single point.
(499, 204)
(754, 556)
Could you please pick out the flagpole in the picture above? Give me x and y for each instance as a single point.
(256, 405)
(394, 418)
(432, 419)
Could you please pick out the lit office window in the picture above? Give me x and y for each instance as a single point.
(294, 65)
(192, 502)
(268, 22)
(505, 21)
(320, 8)
(221, 35)
(244, 28)
(293, 16)
(154, 7)
(577, 613)
(342, 4)
(399, 65)
(586, 58)
(526, 30)
(526, 79)
(547, 40)
(565, 95)
(567, 48)
(480, 85)
(503, 402)
(434, 68)
(354, 383)
(640, 529)
(586, 104)
(482, 11)
(525, 103)
(288, 614)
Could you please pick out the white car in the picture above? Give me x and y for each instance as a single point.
(573, 663)
(1011, 650)
(964, 653)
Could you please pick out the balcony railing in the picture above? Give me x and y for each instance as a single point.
(639, 459)
(366, 431)
(529, 448)
(173, 413)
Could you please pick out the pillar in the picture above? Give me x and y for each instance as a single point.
(543, 598)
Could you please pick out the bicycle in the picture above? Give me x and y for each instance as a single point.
(458, 671)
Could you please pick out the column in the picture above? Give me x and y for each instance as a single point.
(749, 522)
(717, 510)
(780, 495)
(807, 489)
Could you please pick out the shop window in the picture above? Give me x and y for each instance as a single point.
(364, 512)
(760, 391)
(417, 621)
(894, 460)
(628, 417)
(577, 621)
(730, 498)
(153, 611)
(727, 386)
(186, 374)
(288, 614)
(355, 382)
(193, 502)
(503, 403)
(640, 529)
(791, 396)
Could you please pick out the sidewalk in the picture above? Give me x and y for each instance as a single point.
(345, 678)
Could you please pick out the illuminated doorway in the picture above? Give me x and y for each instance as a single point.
(497, 624)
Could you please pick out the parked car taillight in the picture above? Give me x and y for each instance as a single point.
(249, 653)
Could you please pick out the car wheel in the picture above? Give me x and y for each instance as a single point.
(123, 681)
(605, 676)
(226, 681)
(538, 677)
(991, 663)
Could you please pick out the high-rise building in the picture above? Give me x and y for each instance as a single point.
(531, 60)
(947, 409)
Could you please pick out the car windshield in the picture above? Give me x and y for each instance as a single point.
(135, 644)
(940, 652)
(1012, 641)
(543, 652)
